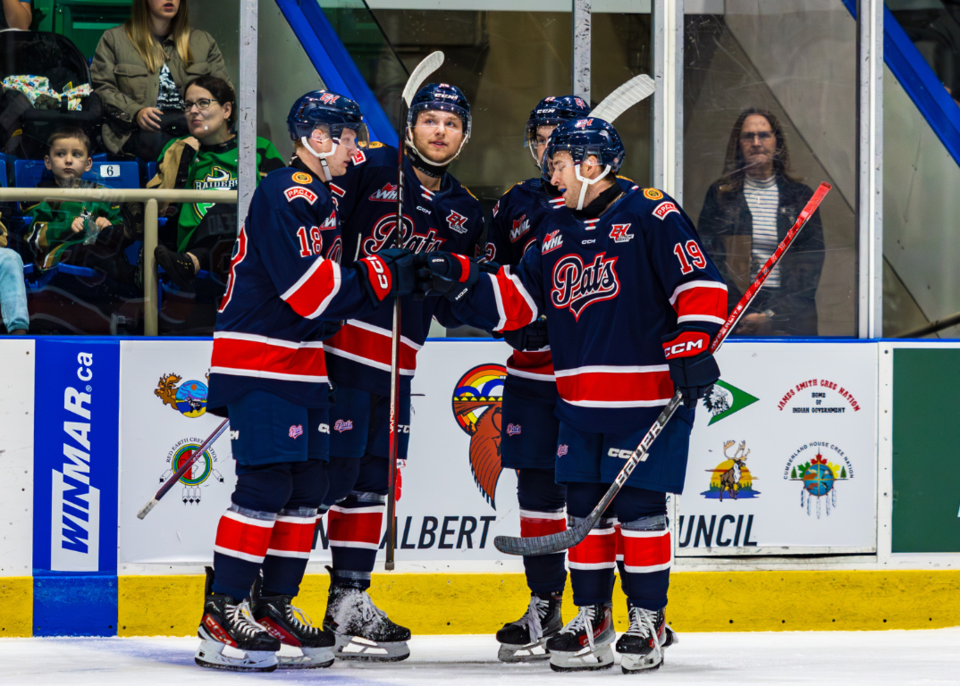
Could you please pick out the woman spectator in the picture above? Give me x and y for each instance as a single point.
(16, 15)
(140, 70)
(746, 214)
(206, 160)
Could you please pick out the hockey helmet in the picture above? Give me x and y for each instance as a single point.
(583, 138)
(443, 97)
(335, 111)
(552, 111)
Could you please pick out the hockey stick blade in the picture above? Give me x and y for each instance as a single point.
(168, 484)
(623, 98)
(554, 543)
(427, 66)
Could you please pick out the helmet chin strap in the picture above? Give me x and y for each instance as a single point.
(322, 156)
(585, 183)
(412, 145)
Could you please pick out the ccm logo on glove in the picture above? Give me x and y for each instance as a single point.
(687, 344)
(379, 275)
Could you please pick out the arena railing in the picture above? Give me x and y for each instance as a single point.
(151, 200)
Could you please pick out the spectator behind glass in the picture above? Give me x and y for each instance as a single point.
(16, 15)
(13, 294)
(140, 70)
(746, 214)
(200, 236)
(81, 233)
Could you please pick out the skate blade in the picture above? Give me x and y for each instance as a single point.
(635, 664)
(310, 658)
(512, 653)
(210, 655)
(601, 657)
(670, 637)
(363, 650)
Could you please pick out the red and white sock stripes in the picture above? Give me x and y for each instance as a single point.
(292, 535)
(646, 551)
(355, 527)
(533, 523)
(597, 551)
(244, 537)
(619, 543)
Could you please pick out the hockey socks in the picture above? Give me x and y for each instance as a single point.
(542, 502)
(592, 563)
(289, 551)
(647, 557)
(243, 537)
(354, 533)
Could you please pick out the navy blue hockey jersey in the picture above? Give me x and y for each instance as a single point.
(449, 219)
(285, 280)
(611, 288)
(514, 228)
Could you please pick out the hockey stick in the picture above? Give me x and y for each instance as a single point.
(544, 545)
(624, 97)
(427, 66)
(187, 464)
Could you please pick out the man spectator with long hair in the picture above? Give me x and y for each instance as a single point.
(140, 70)
(746, 214)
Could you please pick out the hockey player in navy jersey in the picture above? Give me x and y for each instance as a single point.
(528, 425)
(268, 373)
(438, 214)
(632, 303)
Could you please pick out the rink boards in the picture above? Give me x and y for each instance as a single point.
(829, 462)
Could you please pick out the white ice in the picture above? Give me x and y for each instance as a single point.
(885, 657)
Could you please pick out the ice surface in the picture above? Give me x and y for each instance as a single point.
(885, 657)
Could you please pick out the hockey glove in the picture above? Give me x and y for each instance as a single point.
(531, 337)
(693, 369)
(447, 274)
(389, 272)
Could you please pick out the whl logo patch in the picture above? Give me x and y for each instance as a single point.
(386, 194)
(520, 227)
(551, 241)
(726, 399)
(576, 286)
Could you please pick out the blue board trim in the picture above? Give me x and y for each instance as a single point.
(334, 64)
(75, 605)
(919, 81)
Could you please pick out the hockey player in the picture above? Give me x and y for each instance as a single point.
(267, 372)
(438, 214)
(529, 427)
(632, 303)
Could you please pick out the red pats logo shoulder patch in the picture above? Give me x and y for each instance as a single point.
(295, 192)
(664, 208)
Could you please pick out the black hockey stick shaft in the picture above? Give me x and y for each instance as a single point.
(553, 543)
(187, 464)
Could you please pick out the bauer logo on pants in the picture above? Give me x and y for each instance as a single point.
(476, 407)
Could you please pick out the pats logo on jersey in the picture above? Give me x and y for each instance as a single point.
(551, 241)
(457, 222)
(665, 208)
(577, 286)
(476, 406)
(409, 239)
(520, 227)
(386, 194)
(295, 431)
(343, 425)
(619, 233)
(295, 192)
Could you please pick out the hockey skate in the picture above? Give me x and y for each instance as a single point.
(641, 647)
(363, 631)
(228, 624)
(524, 640)
(584, 643)
(292, 628)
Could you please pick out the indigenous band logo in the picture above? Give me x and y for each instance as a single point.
(383, 236)
(201, 473)
(732, 476)
(575, 286)
(818, 476)
(188, 398)
(476, 407)
(726, 399)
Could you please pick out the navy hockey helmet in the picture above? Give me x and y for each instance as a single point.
(552, 111)
(583, 138)
(337, 112)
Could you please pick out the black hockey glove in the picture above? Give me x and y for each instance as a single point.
(446, 274)
(531, 337)
(692, 367)
(390, 272)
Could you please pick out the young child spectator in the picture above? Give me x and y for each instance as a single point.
(83, 233)
(13, 294)
(140, 70)
(205, 160)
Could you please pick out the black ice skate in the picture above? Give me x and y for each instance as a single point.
(641, 647)
(524, 640)
(227, 623)
(363, 631)
(293, 628)
(584, 643)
